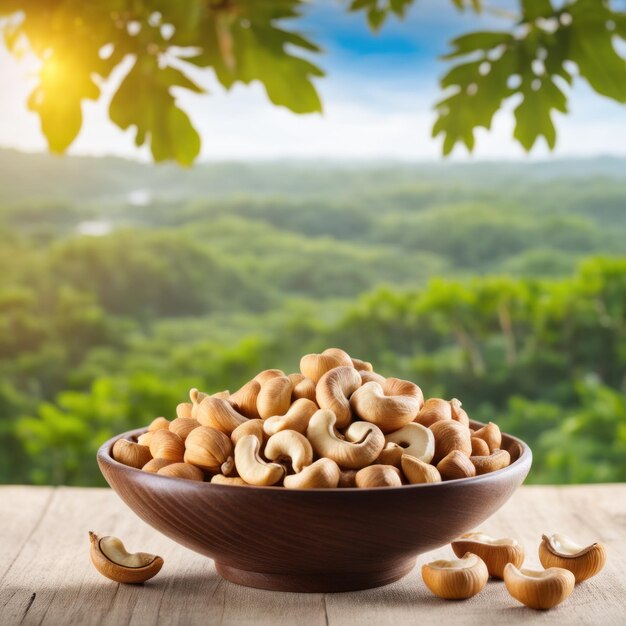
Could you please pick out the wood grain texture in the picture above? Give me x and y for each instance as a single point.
(50, 579)
(317, 540)
(21, 512)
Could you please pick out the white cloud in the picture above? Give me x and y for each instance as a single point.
(18, 127)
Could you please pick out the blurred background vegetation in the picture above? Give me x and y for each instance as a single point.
(117, 296)
(122, 285)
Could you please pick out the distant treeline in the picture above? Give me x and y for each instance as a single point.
(508, 295)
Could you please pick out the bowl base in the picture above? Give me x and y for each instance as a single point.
(329, 582)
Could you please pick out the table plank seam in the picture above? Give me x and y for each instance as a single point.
(325, 609)
(30, 603)
(50, 603)
(158, 610)
(44, 510)
(220, 584)
(8, 600)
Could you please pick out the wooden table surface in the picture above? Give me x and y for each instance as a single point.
(46, 576)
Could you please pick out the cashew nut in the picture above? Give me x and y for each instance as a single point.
(450, 435)
(131, 453)
(333, 390)
(155, 465)
(391, 455)
(251, 467)
(167, 445)
(290, 445)
(220, 479)
(244, 399)
(378, 476)
(415, 440)
(184, 410)
(219, 414)
(323, 474)
(456, 579)
(491, 435)
(314, 366)
(492, 462)
(159, 423)
(389, 407)
(347, 478)
(496, 553)
(297, 418)
(398, 387)
(458, 413)
(362, 366)
(456, 465)
(145, 438)
(182, 426)
(251, 427)
(559, 551)
(265, 375)
(209, 449)
(196, 398)
(417, 471)
(539, 589)
(479, 447)
(359, 446)
(393, 386)
(181, 470)
(303, 387)
(368, 377)
(112, 560)
(274, 397)
(434, 410)
(296, 377)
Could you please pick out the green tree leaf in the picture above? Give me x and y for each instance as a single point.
(533, 9)
(536, 55)
(533, 115)
(592, 48)
(57, 99)
(249, 46)
(480, 87)
(377, 11)
(475, 5)
(144, 100)
(478, 42)
(176, 138)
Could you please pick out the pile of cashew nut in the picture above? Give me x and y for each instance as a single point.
(336, 423)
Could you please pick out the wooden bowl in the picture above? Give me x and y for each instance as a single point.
(318, 540)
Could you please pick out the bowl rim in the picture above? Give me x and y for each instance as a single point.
(524, 459)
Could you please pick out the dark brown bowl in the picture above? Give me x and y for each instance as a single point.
(317, 540)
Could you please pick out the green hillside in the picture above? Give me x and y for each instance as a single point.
(123, 284)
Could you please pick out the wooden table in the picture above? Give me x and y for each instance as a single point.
(46, 576)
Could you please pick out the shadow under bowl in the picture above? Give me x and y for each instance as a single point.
(317, 540)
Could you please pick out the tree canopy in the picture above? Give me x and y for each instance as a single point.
(525, 322)
(533, 61)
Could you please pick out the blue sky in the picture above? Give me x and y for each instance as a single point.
(417, 40)
(378, 98)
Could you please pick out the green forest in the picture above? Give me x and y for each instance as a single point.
(122, 285)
